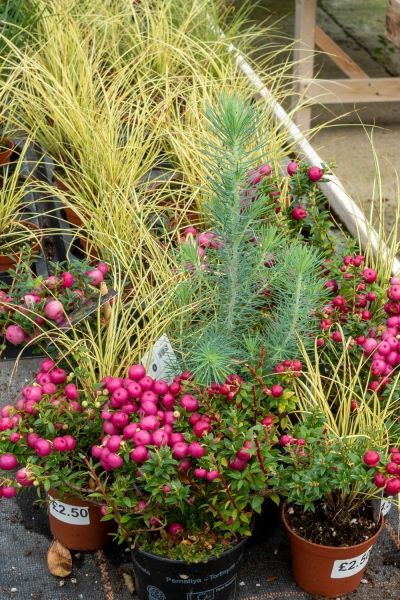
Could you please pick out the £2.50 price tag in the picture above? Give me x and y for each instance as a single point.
(68, 513)
(350, 566)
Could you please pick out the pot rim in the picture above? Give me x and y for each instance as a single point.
(323, 546)
(241, 543)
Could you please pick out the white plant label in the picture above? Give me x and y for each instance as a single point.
(385, 507)
(161, 359)
(68, 513)
(350, 566)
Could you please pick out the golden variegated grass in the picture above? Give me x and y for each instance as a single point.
(331, 383)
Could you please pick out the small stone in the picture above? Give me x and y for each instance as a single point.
(78, 555)
(364, 580)
(275, 552)
(241, 583)
(258, 584)
(13, 590)
(73, 580)
(61, 583)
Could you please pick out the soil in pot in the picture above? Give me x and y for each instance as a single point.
(77, 523)
(159, 578)
(334, 568)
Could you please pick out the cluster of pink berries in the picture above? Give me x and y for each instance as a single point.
(386, 476)
(202, 241)
(51, 383)
(44, 302)
(314, 174)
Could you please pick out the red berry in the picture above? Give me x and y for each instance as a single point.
(298, 213)
(379, 480)
(371, 458)
(276, 390)
(315, 173)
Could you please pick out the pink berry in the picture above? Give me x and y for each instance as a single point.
(95, 276)
(134, 390)
(392, 486)
(200, 473)
(276, 390)
(149, 396)
(146, 383)
(23, 478)
(379, 480)
(148, 408)
(369, 275)
(265, 170)
(42, 447)
(285, 440)
(136, 372)
(149, 423)
(8, 492)
(160, 387)
(395, 456)
(59, 444)
(15, 335)
(113, 443)
(371, 458)
(159, 437)
(58, 376)
(67, 279)
(47, 365)
(292, 168)
(141, 437)
(196, 450)
(211, 475)
(139, 454)
(120, 419)
(180, 450)
(31, 392)
(32, 438)
(49, 388)
(369, 345)
(103, 268)
(315, 173)
(114, 460)
(237, 464)
(176, 529)
(201, 427)
(174, 388)
(71, 391)
(53, 309)
(392, 468)
(298, 213)
(168, 400)
(189, 403)
(8, 461)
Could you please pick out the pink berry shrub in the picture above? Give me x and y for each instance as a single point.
(46, 433)
(199, 447)
(33, 305)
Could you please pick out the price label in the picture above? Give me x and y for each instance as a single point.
(68, 513)
(350, 566)
(161, 360)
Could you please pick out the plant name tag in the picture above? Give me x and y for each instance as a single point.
(385, 507)
(160, 361)
(350, 566)
(68, 513)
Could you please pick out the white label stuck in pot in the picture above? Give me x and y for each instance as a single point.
(160, 361)
(350, 566)
(385, 507)
(68, 513)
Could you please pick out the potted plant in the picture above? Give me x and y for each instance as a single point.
(252, 281)
(32, 305)
(16, 225)
(47, 434)
(6, 149)
(183, 468)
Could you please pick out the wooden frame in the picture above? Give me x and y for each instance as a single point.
(357, 88)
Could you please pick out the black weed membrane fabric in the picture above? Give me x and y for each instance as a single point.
(108, 575)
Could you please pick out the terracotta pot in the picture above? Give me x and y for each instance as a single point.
(8, 261)
(327, 570)
(77, 523)
(6, 149)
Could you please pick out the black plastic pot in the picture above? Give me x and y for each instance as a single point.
(159, 578)
(265, 523)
